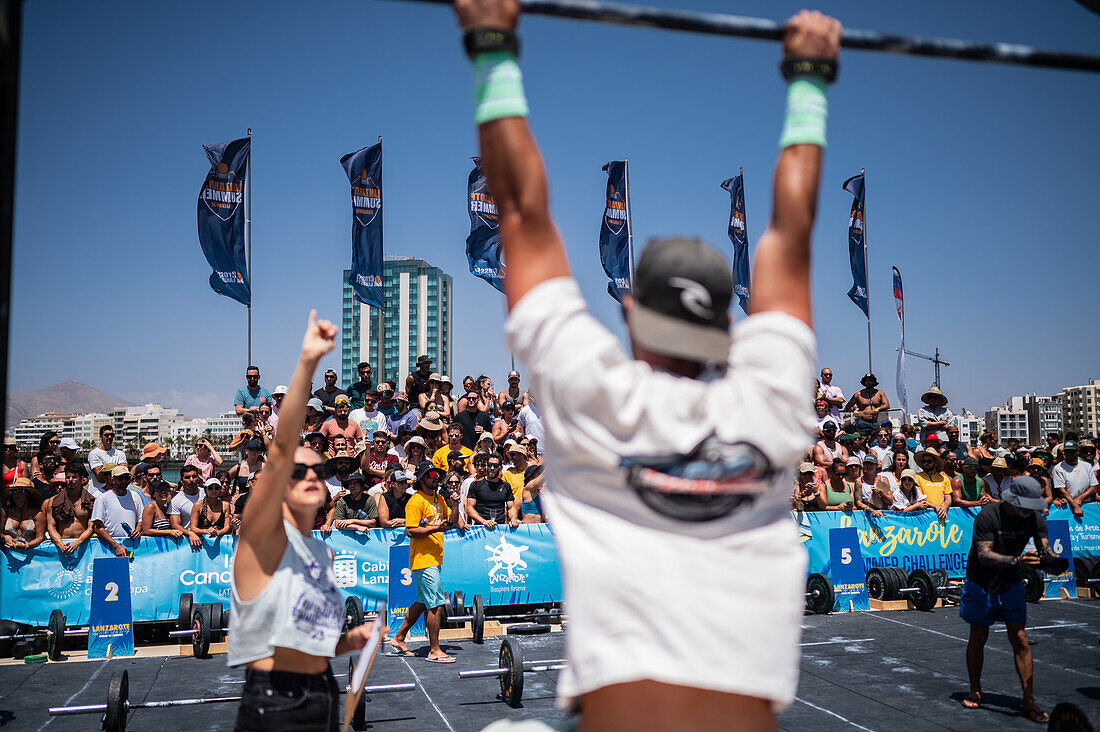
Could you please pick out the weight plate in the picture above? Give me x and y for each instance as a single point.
(21, 650)
(897, 581)
(527, 629)
(55, 639)
(1082, 570)
(478, 625)
(819, 593)
(1067, 717)
(1095, 568)
(458, 603)
(7, 628)
(939, 577)
(200, 641)
(225, 618)
(876, 584)
(1034, 587)
(446, 611)
(542, 616)
(353, 612)
(215, 610)
(511, 659)
(926, 596)
(187, 602)
(118, 691)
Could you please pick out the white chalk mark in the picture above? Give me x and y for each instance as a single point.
(842, 640)
(82, 690)
(431, 701)
(831, 713)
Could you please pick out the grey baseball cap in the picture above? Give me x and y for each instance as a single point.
(682, 292)
(1024, 492)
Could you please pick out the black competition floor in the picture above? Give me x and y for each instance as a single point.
(864, 671)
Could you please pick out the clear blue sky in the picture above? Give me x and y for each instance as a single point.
(981, 180)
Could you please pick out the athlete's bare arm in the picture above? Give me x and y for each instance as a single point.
(781, 269)
(517, 178)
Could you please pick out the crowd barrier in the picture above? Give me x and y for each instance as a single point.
(505, 566)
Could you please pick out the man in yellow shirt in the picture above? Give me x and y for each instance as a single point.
(517, 453)
(426, 518)
(454, 442)
(933, 483)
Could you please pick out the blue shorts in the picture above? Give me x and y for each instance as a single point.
(983, 608)
(429, 587)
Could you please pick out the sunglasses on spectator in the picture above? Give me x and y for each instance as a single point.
(250, 377)
(321, 470)
(454, 482)
(55, 442)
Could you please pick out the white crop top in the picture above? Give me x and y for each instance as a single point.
(301, 608)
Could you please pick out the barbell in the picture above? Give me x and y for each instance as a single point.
(740, 26)
(510, 670)
(55, 634)
(119, 705)
(819, 594)
(919, 587)
(454, 613)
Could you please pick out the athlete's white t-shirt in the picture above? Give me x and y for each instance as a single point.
(621, 558)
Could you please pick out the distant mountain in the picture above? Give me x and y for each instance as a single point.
(68, 396)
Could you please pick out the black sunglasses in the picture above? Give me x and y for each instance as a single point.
(322, 470)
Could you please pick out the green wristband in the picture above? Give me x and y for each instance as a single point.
(498, 87)
(806, 112)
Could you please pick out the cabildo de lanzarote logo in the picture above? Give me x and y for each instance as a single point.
(347, 574)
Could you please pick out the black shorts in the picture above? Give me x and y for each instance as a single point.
(287, 701)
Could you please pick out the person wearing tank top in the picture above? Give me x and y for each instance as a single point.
(287, 612)
(966, 487)
(828, 449)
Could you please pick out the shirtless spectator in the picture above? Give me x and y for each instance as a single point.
(828, 449)
(69, 512)
(831, 394)
(867, 405)
(117, 512)
(341, 424)
(250, 431)
(513, 393)
(507, 427)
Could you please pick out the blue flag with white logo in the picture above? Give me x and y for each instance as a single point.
(615, 231)
(364, 169)
(857, 246)
(483, 249)
(221, 219)
(739, 235)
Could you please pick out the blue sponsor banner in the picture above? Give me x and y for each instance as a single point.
(221, 218)
(364, 171)
(111, 622)
(483, 248)
(615, 231)
(402, 591)
(848, 576)
(857, 245)
(1060, 545)
(739, 234)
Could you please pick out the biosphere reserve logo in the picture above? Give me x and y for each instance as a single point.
(222, 192)
(483, 206)
(66, 583)
(506, 559)
(366, 198)
(614, 215)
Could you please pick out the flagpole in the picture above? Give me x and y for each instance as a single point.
(248, 239)
(866, 270)
(629, 228)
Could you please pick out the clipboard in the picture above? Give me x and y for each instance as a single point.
(358, 679)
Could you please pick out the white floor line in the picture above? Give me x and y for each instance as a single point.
(1063, 625)
(987, 647)
(1093, 605)
(82, 690)
(431, 701)
(844, 640)
(831, 713)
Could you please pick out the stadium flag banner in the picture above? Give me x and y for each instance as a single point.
(848, 576)
(739, 234)
(615, 232)
(483, 249)
(1060, 545)
(221, 219)
(857, 245)
(111, 622)
(364, 170)
(899, 303)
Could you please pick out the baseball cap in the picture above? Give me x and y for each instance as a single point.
(1070, 445)
(455, 455)
(330, 371)
(908, 473)
(508, 404)
(424, 359)
(401, 397)
(854, 461)
(316, 404)
(356, 476)
(341, 399)
(932, 437)
(342, 455)
(806, 467)
(69, 443)
(254, 445)
(682, 290)
(280, 389)
(513, 374)
(212, 482)
(485, 436)
(58, 477)
(1024, 492)
(870, 459)
(970, 462)
(517, 449)
(401, 476)
(435, 376)
(870, 377)
(165, 486)
(119, 470)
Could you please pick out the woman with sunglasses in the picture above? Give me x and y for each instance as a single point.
(154, 517)
(211, 516)
(415, 451)
(13, 466)
(287, 612)
(24, 522)
(434, 398)
(46, 446)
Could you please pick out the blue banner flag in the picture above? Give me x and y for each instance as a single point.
(221, 219)
(857, 245)
(364, 169)
(483, 248)
(899, 303)
(615, 231)
(739, 235)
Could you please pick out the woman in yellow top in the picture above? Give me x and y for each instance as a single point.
(933, 482)
(427, 516)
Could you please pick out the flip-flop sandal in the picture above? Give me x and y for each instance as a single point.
(445, 659)
(975, 702)
(1035, 714)
(394, 651)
